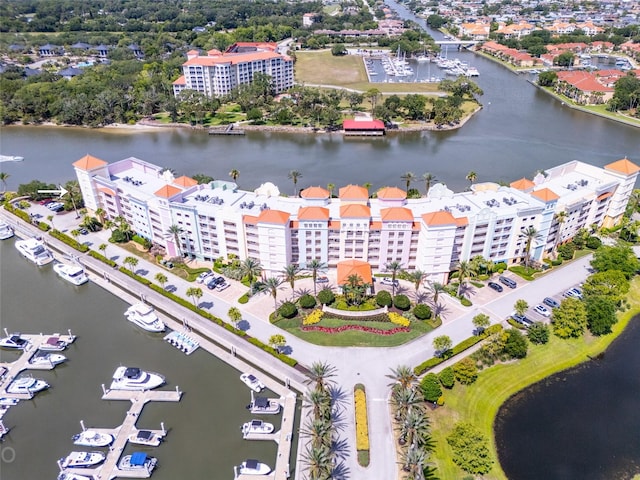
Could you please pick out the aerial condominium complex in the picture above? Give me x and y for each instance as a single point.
(431, 234)
(218, 73)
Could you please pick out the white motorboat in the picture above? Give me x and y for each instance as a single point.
(262, 405)
(8, 402)
(253, 467)
(27, 385)
(14, 341)
(47, 359)
(34, 250)
(5, 231)
(252, 382)
(146, 437)
(72, 476)
(91, 438)
(138, 461)
(78, 459)
(3, 430)
(71, 273)
(143, 315)
(54, 344)
(182, 342)
(11, 158)
(131, 378)
(256, 426)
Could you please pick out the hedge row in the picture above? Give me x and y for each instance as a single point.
(17, 212)
(102, 258)
(72, 242)
(457, 349)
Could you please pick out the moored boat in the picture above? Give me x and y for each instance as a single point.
(256, 426)
(253, 467)
(11, 158)
(252, 382)
(143, 315)
(138, 461)
(54, 344)
(72, 476)
(8, 402)
(34, 250)
(71, 273)
(262, 405)
(27, 385)
(146, 437)
(78, 459)
(131, 378)
(5, 231)
(14, 341)
(41, 358)
(92, 438)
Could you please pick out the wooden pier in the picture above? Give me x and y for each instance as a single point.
(228, 130)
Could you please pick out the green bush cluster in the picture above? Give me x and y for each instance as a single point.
(383, 298)
(447, 378)
(307, 301)
(422, 311)
(45, 227)
(465, 302)
(102, 258)
(326, 296)
(430, 386)
(72, 242)
(141, 241)
(402, 302)
(17, 212)
(288, 310)
(243, 299)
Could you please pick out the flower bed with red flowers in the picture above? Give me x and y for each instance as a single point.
(362, 328)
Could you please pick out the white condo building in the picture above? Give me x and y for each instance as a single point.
(431, 234)
(217, 73)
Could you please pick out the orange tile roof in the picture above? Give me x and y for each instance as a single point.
(623, 166)
(545, 195)
(185, 181)
(167, 191)
(439, 218)
(347, 268)
(375, 226)
(180, 81)
(249, 220)
(334, 225)
(314, 192)
(294, 224)
(396, 214)
(313, 213)
(355, 210)
(353, 192)
(89, 162)
(392, 193)
(604, 196)
(522, 184)
(277, 217)
(107, 190)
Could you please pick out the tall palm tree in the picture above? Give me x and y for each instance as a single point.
(195, 293)
(319, 432)
(319, 374)
(560, 218)
(394, 267)
(472, 176)
(316, 266)
(414, 461)
(404, 400)
(428, 179)
(330, 187)
(320, 402)
(403, 376)
(4, 176)
(234, 314)
(131, 261)
(103, 248)
(408, 178)
(436, 289)
(161, 278)
(318, 462)
(250, 268)
(175, 232)
(530, 234)
(272, 284)
(415, 428)
(290, 272)
(294, 175)
(416, 277)
(100, 213)
(465, 271)
(234, 174)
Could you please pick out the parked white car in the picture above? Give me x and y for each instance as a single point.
(542, 310)
(389, 281)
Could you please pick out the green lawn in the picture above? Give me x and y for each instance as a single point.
(480, 402)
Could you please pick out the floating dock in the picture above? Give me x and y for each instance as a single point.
(228, 130)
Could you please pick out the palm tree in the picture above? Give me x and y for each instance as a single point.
(235, 315)
(319, 432)
(195, 293)
(250, 268)
(403, 376)
(367, 185)
(131, 261)
(100, 213)
(234, 174)
(50, 218)
(415, 428)
(290, 272)
(277, 341)
(330, 187)
(408, 178)
(294, 175)
(272, 284)
(318, 462)
(75, 233)
(472, 176)
(319, 373)
(354, 289)
(316, 266)
(413, 462)
(416, 277)
(4, 176)
(560, 217)
(465, 271)
(320, 402)
(404, 400)
(530, 235)
(175, 232)
(429, 179)
(103, 248)
(394, 267)
(161, 278)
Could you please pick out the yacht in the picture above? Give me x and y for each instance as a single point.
(256, 426)
(54, 344)
(8, 402)
(34, 250)
(82, 459)
(146, 437)
(5, 231)
(92, 438)
(14, 341)
(11, 158)
(138, 461)
(27, 385)
(253, 467)
(131, 378)
(46, 359)
(71, 273)
(252, 382)
(73, 476)
(143, 315)
(263, 405)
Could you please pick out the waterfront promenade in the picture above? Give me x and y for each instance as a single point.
(354, 364)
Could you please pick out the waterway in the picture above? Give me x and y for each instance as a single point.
(203, 440)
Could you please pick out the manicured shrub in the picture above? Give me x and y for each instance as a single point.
(516, 344)
(465, 302)
(538, 333)
(465, 371)
(557, 262)
(243, 299)
(500, 267)
(72, 242)
(422, 311)
(399, 319)
(447, 378)
(45, 227)
(102, 258)
(383, 298)
(288, 310)
(326, 296)
(141, 241)
(307, 301)
(566, 251)
(430, 386)
(313, 318)
(401, 302)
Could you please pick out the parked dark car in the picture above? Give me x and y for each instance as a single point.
(522, 320)
(551, 302)
(496, 286)
(507, 281)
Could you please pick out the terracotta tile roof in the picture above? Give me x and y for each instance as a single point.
(249, 220)
(180, 81)
(375, 226)
(313, 213)
(185, 181)
(314, 192)
(107, 190)
(623, 166)
(396, 214)
(462, 221)
(439, 218)
(355, 210)
(353, 192)
(604, 196)
(277, 217)
(167, 191)
(392, 193)
(347, 268)
(522, 184)
(584, 81)
(545, 195)
(89, 162)
(334, 225)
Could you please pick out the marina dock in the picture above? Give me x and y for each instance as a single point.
(228, 130)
